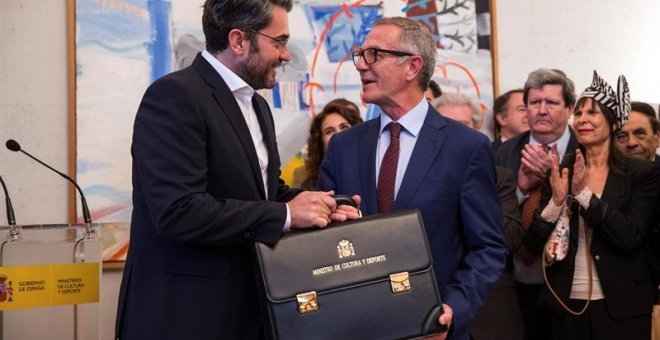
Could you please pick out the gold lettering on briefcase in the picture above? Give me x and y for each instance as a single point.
(307, 302)
(345, 249)
(351, 264)
(400, 282)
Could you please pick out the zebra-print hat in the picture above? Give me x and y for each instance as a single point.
(618, 102)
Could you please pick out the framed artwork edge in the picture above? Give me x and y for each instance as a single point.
(72, 102)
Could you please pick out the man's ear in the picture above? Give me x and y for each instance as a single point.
(571, 110)
(500, 119)
(415, 66)
(657, 139)
(238, 41)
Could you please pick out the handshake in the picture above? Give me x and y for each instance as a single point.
(319, 209)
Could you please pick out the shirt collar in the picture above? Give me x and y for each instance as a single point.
(412, 121)
(562, 142)
(236, 85)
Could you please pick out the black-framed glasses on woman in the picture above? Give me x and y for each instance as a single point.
(370, 55)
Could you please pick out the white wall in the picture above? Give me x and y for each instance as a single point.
(33, 107)
(575, 36)
(33, 111)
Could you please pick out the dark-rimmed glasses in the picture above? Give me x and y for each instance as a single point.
(370, 55)
(280, 43)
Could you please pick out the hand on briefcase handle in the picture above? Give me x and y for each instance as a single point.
(369, 279)
(318, 209)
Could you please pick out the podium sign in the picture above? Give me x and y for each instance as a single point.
(50, 282)
(48, 285)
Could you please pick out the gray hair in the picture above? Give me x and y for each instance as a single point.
(221, 16)
(458, 99)
(417, 37)
(545, 76)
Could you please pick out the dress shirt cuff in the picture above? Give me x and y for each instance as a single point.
(287, 223)
(584, 197)
(551, 212)
(521, 197)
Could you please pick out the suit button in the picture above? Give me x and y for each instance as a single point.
(597, 257)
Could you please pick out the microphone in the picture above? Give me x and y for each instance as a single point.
(14, 146)
(10, 211)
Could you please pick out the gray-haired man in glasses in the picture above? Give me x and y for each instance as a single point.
(413, 157)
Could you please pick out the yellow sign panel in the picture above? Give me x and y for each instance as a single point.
(48, 285)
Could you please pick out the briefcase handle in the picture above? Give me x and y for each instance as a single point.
(347, 200)
(344, 200)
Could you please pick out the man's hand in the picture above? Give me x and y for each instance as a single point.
(445, 319)
(347, 212)
(311, 208)
(533, 167)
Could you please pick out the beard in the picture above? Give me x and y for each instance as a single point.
(256, 72)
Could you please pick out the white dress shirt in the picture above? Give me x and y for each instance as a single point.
(411, 123)
(243, 94)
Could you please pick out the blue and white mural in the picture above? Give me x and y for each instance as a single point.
(124, 45)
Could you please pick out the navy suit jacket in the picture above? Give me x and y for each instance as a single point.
(198, 205)
(451, 179)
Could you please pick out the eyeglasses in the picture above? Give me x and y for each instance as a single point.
(280, 43)
(370, 55)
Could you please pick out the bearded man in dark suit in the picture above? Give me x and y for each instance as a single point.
(206, 184)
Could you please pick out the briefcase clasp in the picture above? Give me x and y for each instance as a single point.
(307, 302)
(400, 282)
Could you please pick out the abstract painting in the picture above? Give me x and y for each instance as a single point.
(121, 46)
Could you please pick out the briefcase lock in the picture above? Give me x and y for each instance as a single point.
(307, 302)
(400, 282)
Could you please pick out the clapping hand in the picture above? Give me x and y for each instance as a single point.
(558, 179)
(534, 164)
(579, 173)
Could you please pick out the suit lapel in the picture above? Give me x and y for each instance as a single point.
(614, 192)
(367, 165)
(518, 152)
(230, 108)
(572, 142)
(429, 142)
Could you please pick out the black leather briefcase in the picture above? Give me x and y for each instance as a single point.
(364, 279)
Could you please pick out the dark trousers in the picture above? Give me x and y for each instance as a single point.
(535, 317)
(596, 324)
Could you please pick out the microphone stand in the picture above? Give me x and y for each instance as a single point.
(89, 233)
(15, 233)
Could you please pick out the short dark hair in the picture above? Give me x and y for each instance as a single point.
(648, 111)
(221, 16)
(500, 107)
(545, 76)
(347, 104)
(436, 91)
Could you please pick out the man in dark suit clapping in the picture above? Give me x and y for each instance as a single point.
(549, 96)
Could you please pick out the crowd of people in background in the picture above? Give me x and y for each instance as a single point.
(592, 154)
